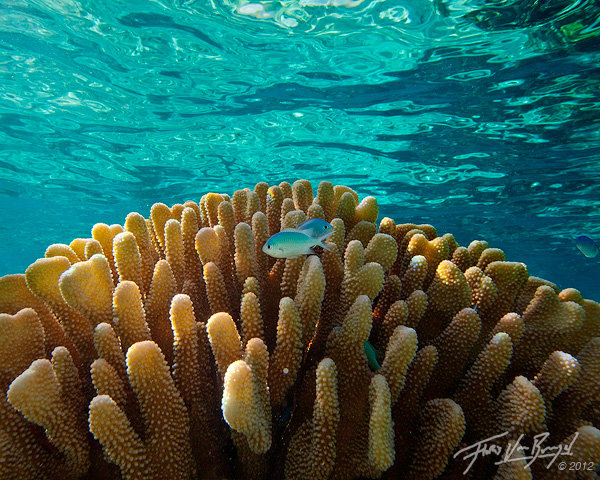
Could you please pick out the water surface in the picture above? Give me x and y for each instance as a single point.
(481, 118)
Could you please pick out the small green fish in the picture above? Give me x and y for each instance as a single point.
(370, 352)
(291, 244)
(371, 357)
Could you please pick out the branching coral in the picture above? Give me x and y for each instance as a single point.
(173, 348)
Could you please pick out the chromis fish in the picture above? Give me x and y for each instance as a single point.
(291, 243)
(371, 356)
(316, 227)
(370, 352)
(586, 246)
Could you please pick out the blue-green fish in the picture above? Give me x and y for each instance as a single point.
(586, 246)
(291, 244)
(371, 356)
(370, 352)
(316, 227)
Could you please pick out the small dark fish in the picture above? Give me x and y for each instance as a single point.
(586, 246)
(285, 416)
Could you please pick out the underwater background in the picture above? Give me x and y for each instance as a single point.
(481, 118)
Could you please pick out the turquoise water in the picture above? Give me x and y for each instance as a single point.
(481, 120)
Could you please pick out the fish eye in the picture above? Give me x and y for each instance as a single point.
(268, 246)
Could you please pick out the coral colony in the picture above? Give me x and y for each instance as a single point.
(174, 348)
